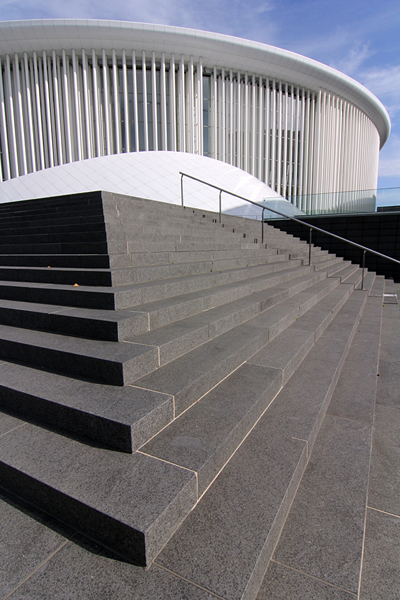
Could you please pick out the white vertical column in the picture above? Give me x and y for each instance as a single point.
(145, 116)
(253, 125)
(182, 116)
(279, 140)
(267, 133)
(68, 143)
(231, 134)
(191, 108)
(260, 125)
(200, 106)
(154, 100)
(246, 123)
(135, 101)
(126, 102)
(214, 113)
(223, 116)
(87, 117)
(285, 129)
(290, 159)
(77, 105)
(296, 147)
(117, 119)
(317, 158)
(26, 87)
(57, 109)
(163, 94)
(13, 139)
(239, 123)
(172, 103)
(38, 112)
(6, 174)
(274, 138)
(96, 106)
(48, 114)
(20, 118)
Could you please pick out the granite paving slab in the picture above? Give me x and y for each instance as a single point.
(204, 438)
(323, 534)
(120, 417)
(283, 583)
(380, 574)
(385, 461)
(27, 539)
(132, 503)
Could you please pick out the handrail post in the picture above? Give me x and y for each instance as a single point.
(182, 189)
(309, 248)
(220, 206)
(262, 226)
(363, 269)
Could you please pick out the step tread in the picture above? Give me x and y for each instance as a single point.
(132, 502)
(190, 376)
(225, 548)
(120, 417)
(110, 362)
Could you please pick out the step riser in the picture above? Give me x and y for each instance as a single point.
(51, 275)
(161, 272)
(90, 367)
(82, 248)
(72, 229)
(73, 297)
(96, 261)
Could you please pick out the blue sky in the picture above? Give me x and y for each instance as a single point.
(360, 37)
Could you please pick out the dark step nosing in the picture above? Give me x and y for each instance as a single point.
(54, 275)
(107, 362)
(122, 418)
(106, 497)
(56, 248)
(80, 322)
(57, 295)
(79, 261)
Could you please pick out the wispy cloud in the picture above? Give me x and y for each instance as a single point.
(355, 57)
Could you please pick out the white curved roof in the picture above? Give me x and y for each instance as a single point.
(151, 175)
(215, 49)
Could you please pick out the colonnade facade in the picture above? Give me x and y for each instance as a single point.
(67, 105)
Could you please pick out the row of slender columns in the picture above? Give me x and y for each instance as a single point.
(59, 108)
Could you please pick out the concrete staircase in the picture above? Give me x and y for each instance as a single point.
(167, 377)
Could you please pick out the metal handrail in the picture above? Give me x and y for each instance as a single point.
(311, 227)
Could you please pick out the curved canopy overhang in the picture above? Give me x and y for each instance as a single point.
(214, 49)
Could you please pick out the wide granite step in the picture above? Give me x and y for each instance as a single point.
(134, 503)
(226, 542)
(114, 363)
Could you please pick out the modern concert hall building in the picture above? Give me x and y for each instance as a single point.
(102, 91)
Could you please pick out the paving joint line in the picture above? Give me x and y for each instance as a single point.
(38, 567)
(384, 512)
(187, 580)
(337, 587)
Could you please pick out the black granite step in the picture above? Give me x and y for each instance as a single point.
(91, 323)
(51, 238)
(62, 276)
(114, 363)
(82, 247)
(77, 261)
(29, 229)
